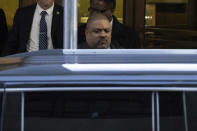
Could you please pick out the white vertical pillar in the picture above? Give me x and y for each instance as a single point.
(70, 24)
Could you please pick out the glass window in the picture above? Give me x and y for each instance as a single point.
(166, 13)
(170, 24)
(88, 111)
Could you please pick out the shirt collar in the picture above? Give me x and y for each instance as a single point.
(49, 10)
(111, 22)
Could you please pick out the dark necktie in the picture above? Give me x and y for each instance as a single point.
(43, 42)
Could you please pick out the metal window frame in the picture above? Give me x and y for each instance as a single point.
(154, 100)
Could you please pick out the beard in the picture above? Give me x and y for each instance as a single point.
(103, 44)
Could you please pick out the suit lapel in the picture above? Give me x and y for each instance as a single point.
(113, 26)
(55, 19)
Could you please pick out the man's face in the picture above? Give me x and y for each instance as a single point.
(102, 7)
(45, 4)
(98, 34)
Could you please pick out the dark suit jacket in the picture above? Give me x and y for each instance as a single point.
(3, 30)
(126, 37)
(20, 33)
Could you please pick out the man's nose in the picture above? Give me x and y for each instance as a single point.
(103, 34)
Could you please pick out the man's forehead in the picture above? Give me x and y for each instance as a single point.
(101, 21)
(99, 4)
(100, 24)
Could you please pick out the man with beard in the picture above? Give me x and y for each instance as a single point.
(126, 37)
(98, 33)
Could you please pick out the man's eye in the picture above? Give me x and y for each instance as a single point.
(106, 30)
(96, 31)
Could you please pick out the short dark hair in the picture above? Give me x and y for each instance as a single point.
(108, 2)
(96, 16)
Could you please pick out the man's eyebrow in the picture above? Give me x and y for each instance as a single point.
(101, 28)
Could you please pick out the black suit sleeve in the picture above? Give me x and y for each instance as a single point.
(13, 38)
(3, 30)
(126, 37)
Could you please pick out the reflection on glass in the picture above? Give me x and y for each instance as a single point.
(170, 24)
(166, 12)
(150, 17)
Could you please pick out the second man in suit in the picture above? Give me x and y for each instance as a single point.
(36, 27)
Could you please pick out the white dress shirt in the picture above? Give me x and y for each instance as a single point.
(33, 43)
(111, 22)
